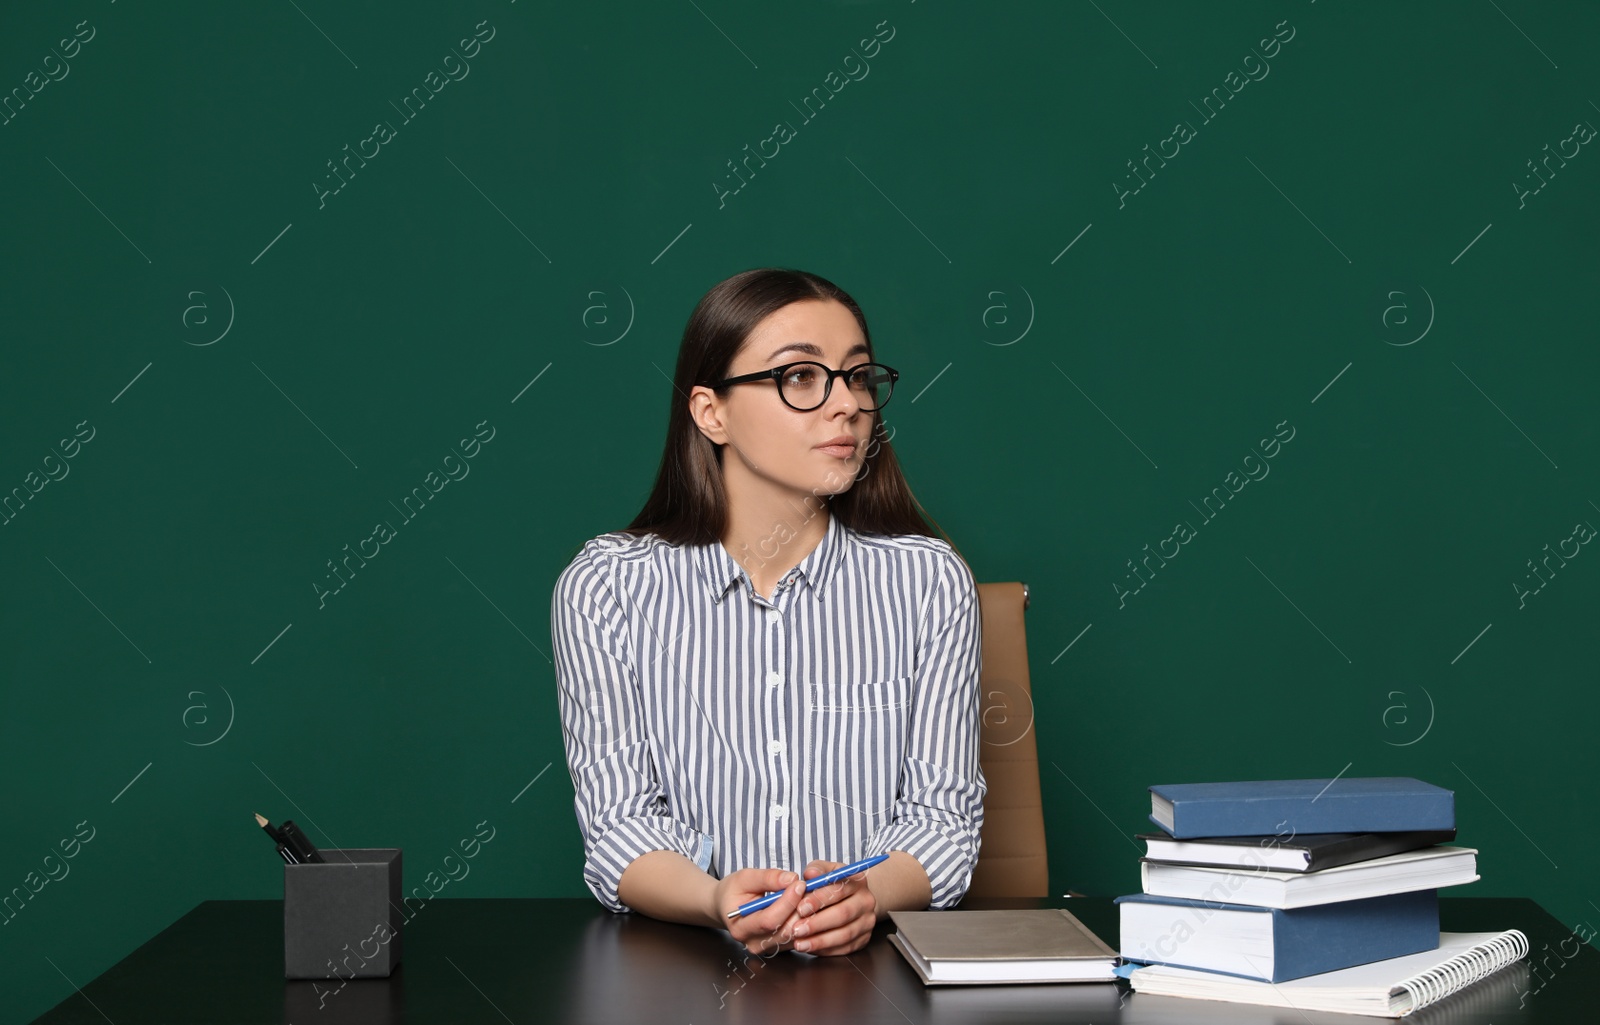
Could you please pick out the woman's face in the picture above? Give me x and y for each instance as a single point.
(763, 436)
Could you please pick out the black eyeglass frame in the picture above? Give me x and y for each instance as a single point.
(777, 373)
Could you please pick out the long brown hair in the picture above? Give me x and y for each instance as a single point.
(688, 504)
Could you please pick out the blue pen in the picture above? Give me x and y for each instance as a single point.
(822, 880)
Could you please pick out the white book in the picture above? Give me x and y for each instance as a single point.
(1390, 989)
(1427, 869)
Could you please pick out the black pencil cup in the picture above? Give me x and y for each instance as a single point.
(341, 916)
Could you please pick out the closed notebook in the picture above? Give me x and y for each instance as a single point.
(1391, 988)
(1288, 853)
(1272, 944)
(1374, 804)
(1019, 946)
(1428, 869)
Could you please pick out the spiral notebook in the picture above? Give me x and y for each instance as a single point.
(1391, 989)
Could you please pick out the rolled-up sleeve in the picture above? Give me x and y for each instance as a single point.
(618, 797)
(938, 811)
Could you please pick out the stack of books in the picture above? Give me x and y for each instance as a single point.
(1257, 883)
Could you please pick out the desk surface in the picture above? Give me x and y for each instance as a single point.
(569, 960)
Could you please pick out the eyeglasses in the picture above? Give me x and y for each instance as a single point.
(805, 386)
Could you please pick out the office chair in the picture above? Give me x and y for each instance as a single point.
(1011, 857)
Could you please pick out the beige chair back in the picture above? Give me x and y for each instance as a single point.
(1011, 859)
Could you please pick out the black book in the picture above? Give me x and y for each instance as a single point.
(1305, 853)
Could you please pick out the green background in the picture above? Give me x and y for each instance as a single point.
(1075, 373)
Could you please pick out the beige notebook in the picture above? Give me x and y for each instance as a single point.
(974, 947)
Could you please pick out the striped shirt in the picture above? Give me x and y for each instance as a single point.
(835, 720)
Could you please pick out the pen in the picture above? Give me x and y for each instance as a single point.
(823, 880)
(304, 849)
(292, 844)
(277, 837)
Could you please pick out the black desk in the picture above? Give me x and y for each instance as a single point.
(569, 960)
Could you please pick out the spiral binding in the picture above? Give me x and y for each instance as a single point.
(1465, 968)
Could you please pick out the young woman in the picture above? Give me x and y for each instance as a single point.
(773, 670)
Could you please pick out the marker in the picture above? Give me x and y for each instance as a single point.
(823, 880)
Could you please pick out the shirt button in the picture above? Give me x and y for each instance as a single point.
(774, 678)
(773, 616)
(775, 747)
(779, 811)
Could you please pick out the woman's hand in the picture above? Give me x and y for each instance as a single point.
(769, 930)
(833, 919)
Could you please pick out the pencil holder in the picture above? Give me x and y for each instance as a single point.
(341, 916)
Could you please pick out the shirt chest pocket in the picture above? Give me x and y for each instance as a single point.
(857, 742)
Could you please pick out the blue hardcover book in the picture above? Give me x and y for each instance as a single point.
(1292, 807)
(1276, 945)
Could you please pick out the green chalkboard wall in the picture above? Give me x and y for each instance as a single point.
(1295, 295)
